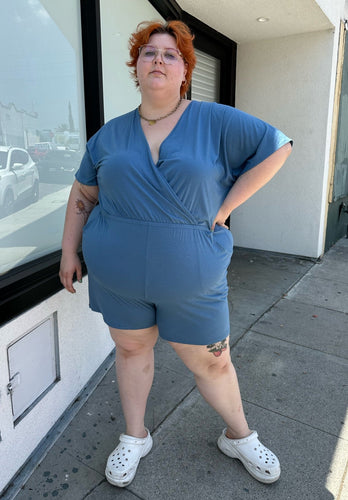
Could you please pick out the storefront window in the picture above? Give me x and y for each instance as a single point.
(42, 127)
(118, 20)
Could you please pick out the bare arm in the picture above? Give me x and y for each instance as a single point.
(250, 182)
(81, 202)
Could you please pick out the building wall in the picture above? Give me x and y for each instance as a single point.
(289, 82)
(333, 9)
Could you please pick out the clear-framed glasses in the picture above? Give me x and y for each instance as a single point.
(169, 56)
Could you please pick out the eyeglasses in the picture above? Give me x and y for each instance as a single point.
(169, 56)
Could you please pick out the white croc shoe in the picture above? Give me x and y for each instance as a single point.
(258, 460)
(123, 462)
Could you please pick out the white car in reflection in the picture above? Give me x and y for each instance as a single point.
(19, 178)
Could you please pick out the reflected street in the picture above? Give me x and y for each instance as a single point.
(34, 229)
(42, 127)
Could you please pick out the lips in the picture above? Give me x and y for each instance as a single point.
(156, 71)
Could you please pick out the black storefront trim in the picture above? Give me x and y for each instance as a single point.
(168, 9)
(217, 45)
(92, 65)
(26, 286)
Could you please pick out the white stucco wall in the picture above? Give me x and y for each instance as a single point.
(289, 82)
(84, 343)
(333, 9)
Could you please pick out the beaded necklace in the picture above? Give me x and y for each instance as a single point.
(155, 120)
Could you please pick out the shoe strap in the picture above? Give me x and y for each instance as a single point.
(245, 440)
(124, 438)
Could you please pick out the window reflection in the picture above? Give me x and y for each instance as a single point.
(40, 125)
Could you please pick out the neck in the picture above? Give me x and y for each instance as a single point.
(156, 105)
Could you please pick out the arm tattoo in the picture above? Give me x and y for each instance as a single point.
(218, 348)
(81, 209)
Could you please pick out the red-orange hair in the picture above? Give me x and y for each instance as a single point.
(178, 30)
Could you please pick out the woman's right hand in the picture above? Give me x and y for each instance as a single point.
(69, 265)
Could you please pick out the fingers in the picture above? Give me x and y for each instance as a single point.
(219, 223)
(68, 267)
(66, 280)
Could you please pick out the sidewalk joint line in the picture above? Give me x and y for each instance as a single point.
(293, 419)
(155, 428)
(298, 345)
(92, 489)
(301, 301)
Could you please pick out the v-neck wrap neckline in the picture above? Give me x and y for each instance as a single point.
(168, 137)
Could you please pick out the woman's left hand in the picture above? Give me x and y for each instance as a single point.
(220, 221)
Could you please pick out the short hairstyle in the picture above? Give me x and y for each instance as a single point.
(178, 30)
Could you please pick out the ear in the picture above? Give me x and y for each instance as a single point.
(185, 71)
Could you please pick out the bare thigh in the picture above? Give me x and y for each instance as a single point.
(130, 340)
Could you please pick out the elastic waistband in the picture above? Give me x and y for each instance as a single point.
(171, 225)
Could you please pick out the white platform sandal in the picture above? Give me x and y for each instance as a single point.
(123, 462)
(258, 460)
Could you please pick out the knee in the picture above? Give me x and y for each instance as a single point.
(215, 369)
(129, 349)
(134, 343)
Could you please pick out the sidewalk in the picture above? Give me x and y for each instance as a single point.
(289, 339)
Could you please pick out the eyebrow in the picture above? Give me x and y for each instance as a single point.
(164, 48)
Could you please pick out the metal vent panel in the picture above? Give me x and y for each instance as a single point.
(206, 78)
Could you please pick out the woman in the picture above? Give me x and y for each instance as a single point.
(166, 176)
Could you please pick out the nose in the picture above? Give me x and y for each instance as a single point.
(158, 57)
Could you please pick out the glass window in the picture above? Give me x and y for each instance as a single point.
(42, 127)
(118, 20)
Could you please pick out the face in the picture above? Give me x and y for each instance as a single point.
(155, 74)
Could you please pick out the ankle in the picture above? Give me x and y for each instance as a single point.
(136, 432)
(230, 434)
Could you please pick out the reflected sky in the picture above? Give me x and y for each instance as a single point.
(38, 64)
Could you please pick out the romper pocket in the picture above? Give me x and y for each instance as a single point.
(223, 239)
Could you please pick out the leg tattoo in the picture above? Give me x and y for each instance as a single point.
(218, 348)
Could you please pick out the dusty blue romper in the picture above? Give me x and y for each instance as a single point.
(150, 253)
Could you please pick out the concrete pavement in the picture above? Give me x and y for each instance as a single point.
(289, 344)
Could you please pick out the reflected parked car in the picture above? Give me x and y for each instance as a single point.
(39, 150)
(19, 178)
(59, 164)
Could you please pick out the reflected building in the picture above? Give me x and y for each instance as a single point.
(17, 126)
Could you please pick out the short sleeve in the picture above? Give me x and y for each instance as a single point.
(87, 172)
(248, 141)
